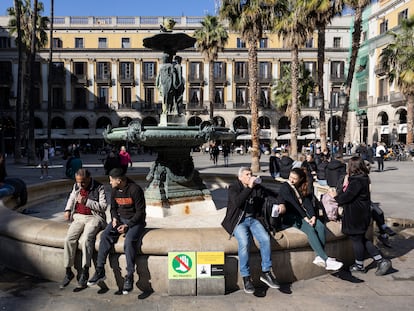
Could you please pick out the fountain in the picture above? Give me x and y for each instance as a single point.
(175, 186)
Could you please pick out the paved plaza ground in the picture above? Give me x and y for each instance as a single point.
(393, 188)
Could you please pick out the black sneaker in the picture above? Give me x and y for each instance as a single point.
(389, 231)
(383, 266)
(99, 276)
(83, 279)
(269, 280)
(384, 240)
(128, 284)
(248, 285)
(66, 280)
(357, 268)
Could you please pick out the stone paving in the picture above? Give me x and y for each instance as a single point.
(340, 291)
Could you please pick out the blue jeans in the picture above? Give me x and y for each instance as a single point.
(109, 237)
(247, 229)
(6, 190)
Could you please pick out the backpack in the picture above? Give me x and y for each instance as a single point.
(271, 224)
(330, 206)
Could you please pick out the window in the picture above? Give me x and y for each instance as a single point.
(149, 97)
(219, 70)
(125, 43)
(337, 42)
(57, 43)
(402, 16)
(126, 97)
(219, 95)
(126, 70)
(79, 69)
(241, 96)
(263, 43)
(240, 43)
(311, 67)
(264, 97)
(309, 43)
(196, 72)
(195, 97)
(102, 97)
(102, 43)
(364, 36)
(383, 90)
(57, 98)
(240, 70)
(337, 69)
(102, 70)
(265, 71)
(79, 43)
(384, 27)
(4, 42)
(149, 70)
(80, 98)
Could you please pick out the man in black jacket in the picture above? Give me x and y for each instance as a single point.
(245, 200)
(128, 218)
(286, 163)
(334, 170)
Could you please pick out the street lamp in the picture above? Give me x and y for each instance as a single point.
(342, 99)
(313, 126)
(361, 116)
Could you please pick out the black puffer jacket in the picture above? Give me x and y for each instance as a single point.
(356, 201)
(334, 170)
(285, 166)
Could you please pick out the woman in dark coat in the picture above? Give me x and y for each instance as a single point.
(295, 195)
(355, 197)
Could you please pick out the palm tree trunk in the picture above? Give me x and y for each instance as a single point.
(31, 136)
(49, 80)
(211, 87)
(321, 61)
(17, 141)
(356, 37)
(252, 56)
(410, 117)
(293, 149)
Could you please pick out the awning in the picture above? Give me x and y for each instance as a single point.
(402, 128)
(284, 137)
(385, 129)
(309, 136)
(244, 137)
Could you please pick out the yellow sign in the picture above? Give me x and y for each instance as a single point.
(210, 264)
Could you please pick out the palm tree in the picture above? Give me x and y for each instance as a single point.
(250, 18)
(49, 81)
(324, 12)
(211, 39)
(398, 59)
(358, 6)
(294, 28)
(33, 37)
(17, 144)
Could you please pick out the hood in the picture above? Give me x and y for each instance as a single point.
(335, 164)
(286, 161)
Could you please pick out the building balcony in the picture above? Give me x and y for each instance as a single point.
(148, 79)
(220, 79)
(380, 70)
(198, 79)
(397, 99)
(103, 79)
(337, 78)
(241, 79)
(382, 99)
(126, 80)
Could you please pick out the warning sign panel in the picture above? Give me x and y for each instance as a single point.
(210, 264)
(181, 265)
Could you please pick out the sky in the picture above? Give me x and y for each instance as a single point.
(124, 7)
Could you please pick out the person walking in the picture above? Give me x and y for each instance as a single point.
(380, 152)
(43, 155)
(85, 209)
(355, 198)
(125, 159)
(127, 218)
(245, 200)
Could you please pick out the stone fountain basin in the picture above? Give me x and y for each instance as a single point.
(35, 246)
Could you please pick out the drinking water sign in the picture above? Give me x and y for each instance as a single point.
(181, 265)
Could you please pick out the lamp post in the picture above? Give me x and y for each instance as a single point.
(342, 99)
(361, 116)
(313, 126)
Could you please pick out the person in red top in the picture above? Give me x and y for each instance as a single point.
(125, 159)
(86, 208)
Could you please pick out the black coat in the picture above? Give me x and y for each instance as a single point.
(238, 195)
(288, 197)
(274, 165)
(356, 202)
(285, 166)
(334, 170)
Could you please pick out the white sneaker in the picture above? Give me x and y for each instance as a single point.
(332, 264)
(319, 262)
(41, 177)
